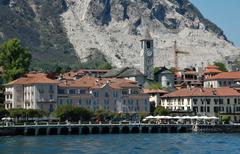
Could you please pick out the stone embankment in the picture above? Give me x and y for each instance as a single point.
(78, 129)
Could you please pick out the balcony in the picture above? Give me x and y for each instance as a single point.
(46, 101)
(8, 93)
(7, 102)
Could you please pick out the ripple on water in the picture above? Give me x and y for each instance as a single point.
(123, 143)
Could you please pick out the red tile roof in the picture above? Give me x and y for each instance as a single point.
(212, 70)
(191, 72)
(92, 71)
(92, 82)
(69, 75)
(198, 92)
(225, 75)
(212, 67)
(33, 78)
(154, 91)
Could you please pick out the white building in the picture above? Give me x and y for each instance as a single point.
(205, 101)
(224, 79)
(33, 91)
(155, 95)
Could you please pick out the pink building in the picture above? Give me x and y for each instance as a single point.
(109, 94)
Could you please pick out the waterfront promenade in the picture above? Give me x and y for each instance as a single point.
(77, 129)
(74, 129)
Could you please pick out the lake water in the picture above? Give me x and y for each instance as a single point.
(123, 143)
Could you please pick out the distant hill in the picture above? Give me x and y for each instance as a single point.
(57, 32)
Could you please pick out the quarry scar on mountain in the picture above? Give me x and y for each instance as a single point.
(61, 30)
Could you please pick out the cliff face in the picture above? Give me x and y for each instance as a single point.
(58, 29)
(37, 23)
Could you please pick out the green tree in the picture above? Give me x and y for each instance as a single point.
(3, 112)
(104, 66)
(73, 113)
(221, 66)
(226, 119)
(155, 85)
(161, 111)
(14, 59)
(35, 113)
(17, 113)
(103, 115)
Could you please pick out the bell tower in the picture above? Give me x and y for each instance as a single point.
(147, 56)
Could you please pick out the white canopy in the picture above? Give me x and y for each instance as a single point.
(183, 117)
(150, 117)
(7, 118)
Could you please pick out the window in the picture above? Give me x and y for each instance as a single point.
(115, 94)
(195, 101)
(216, 101)
(106, 102)
(146, 102)
(51, 108)
(220, 101)
(61, 91)
(82, 91)
(228, 101)
(220, 83)
(148, 44)
(106, 94)
(229, 83)
(124, 92)
(208, 101)
(195, 109)
(95, 94)
(72, 91)
(215, 109)
(224, 83)
(208, 109)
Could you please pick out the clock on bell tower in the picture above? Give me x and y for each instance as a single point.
(147, 56)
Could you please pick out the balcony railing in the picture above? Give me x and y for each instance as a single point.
(7, 92)
(7, 102)
(46, 101)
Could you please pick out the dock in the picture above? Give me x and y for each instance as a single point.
(133, 128)
(78, 129)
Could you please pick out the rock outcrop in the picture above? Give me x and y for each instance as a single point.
(114, 28)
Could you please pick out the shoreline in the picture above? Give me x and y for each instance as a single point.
(79, 129)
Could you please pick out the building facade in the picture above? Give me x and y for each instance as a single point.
(36, 91)
(33, 91)
(108, 94)
(155, 96)
(204, 101)
(224, 79)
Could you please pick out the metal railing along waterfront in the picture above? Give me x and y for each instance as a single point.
(91, 128)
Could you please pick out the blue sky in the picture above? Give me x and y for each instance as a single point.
(225, 14)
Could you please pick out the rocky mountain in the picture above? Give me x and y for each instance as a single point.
(57, 29)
